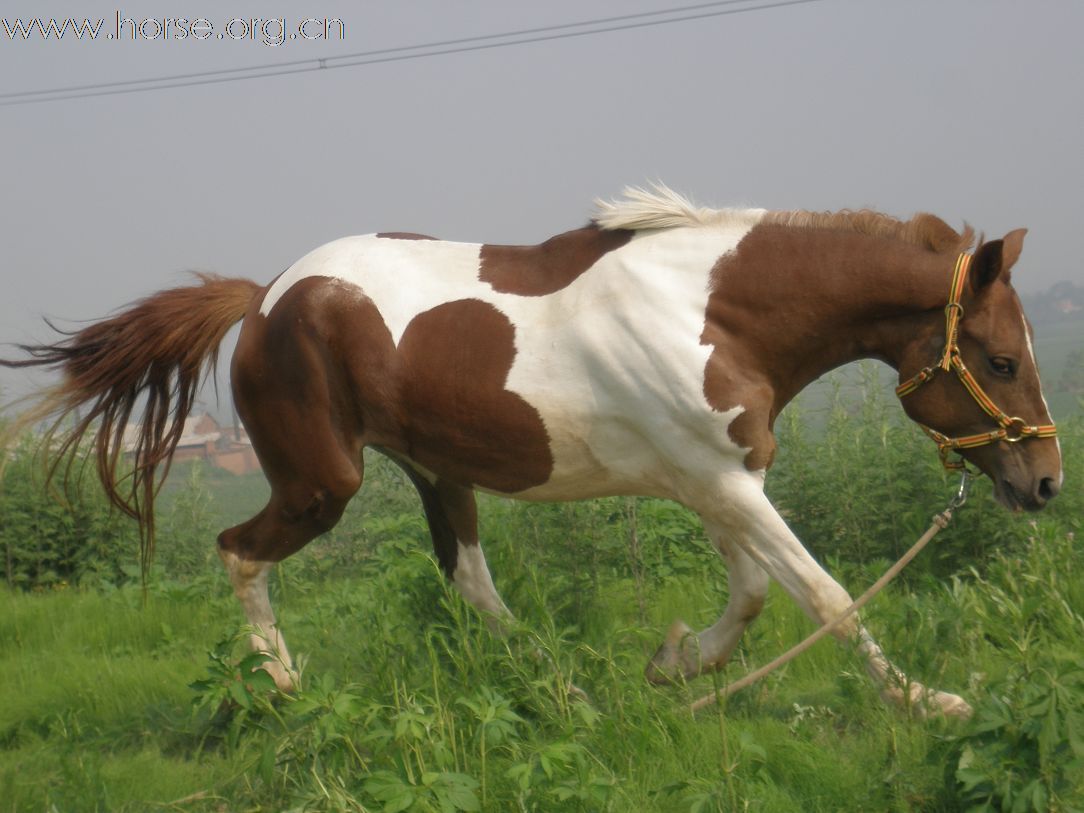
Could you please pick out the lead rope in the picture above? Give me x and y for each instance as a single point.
(940, 521)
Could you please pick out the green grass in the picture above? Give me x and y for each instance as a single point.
(401, 680)
(95, 686)
(112, 727)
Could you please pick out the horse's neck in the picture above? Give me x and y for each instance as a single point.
(821, 300)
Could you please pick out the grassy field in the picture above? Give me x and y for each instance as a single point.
(116, 700)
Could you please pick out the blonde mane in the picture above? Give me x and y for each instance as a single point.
(662, 208)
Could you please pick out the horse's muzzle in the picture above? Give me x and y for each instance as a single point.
(1031, 499)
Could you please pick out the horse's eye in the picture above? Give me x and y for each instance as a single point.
(1003, 366)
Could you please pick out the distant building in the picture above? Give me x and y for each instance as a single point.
(203, 439)
(1066, 306)
(1065, 298)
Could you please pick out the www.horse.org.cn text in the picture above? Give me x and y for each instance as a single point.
(271, 32)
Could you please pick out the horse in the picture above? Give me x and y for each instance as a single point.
(646, 353)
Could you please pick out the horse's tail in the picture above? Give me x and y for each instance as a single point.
(153, 352)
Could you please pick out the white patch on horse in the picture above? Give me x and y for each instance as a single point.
(249, 580)
(612, 362)
(403, 278)
(475, 584)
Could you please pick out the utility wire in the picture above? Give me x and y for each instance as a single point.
(396, 54)
(373, 53)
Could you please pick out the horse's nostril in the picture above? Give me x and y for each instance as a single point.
(1048, 488)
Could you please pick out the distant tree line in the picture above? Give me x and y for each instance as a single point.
(1062, 302)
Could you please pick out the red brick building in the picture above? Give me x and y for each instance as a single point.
(203, 439)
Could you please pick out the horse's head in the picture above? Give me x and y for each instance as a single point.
(981, 397)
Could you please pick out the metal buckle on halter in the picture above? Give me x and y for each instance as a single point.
(965, 486)
(954, 306)
(1023, 430)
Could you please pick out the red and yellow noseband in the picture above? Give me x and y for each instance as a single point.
(1009, 429)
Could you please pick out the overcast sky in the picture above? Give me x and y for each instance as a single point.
(971, 109)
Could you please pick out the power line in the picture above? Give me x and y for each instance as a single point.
(372, 53)
(396, 54)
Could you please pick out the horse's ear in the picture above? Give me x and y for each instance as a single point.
(996, 259)
(1013, 245)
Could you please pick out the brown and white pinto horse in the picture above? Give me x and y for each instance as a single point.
(648, 353)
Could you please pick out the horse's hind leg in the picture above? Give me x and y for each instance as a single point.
(306, 501)
(290, 391)
(249, 580)
(452, 514)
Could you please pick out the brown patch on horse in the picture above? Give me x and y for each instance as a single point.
(403, 235)
(458, 419)
(924, 229)
(437, 400)
(549, 266)
(750, 365)
(725, 387)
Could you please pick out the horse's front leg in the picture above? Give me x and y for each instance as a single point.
(754, 525)
(685, 654)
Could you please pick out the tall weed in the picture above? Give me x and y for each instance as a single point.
(54, 537)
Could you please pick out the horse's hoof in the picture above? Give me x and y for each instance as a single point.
(287, 680)
(929, 702)
(950, 705)
(669, 663)
(578, 695)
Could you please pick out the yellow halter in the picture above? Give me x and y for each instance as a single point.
(1009, 429)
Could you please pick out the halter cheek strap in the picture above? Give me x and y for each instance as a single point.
(1010, 429)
